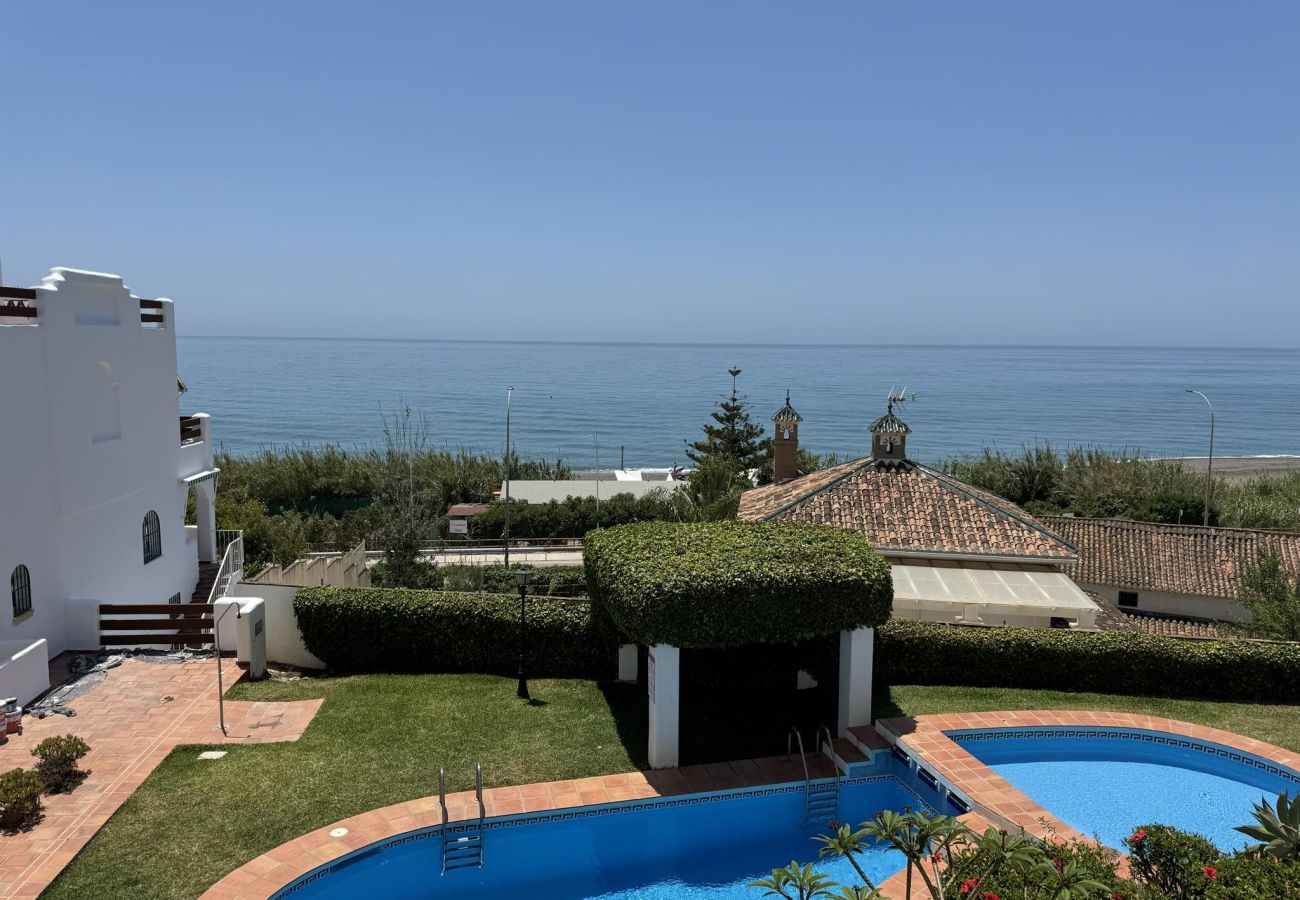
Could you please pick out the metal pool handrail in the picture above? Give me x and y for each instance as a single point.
(802, 759)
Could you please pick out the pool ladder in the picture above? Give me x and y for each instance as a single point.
(822, 799)
(465, 850)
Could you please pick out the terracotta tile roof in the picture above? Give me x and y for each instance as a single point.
(467, 509)
(1112, 618)
(1180, 559)
(900, 505)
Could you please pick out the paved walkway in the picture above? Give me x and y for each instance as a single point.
(131, 721)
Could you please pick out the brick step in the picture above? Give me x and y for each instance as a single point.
(844, 754)
(867, 739)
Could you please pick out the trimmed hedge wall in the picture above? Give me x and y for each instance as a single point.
(1117, 662)
(727, 584)
(392, 630)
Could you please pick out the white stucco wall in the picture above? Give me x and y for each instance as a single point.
(1218, 608)
(91, 443)
(284, 642)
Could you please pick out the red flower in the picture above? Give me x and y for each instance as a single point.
(969, 885)
(1137, 836)
(1211, 873)
(989, 895)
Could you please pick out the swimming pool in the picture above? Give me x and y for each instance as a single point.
(683, 848)
(1108, 781)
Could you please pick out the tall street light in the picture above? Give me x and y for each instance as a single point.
(1209, 465)
(509, 390)
(522, 577)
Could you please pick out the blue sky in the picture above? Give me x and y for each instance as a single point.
(1066, 173)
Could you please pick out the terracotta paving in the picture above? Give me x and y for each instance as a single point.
(996, 798)
(131, 721)
(997, 802)
(271, 871)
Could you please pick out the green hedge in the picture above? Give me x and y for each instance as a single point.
(727, 584)
(390, 630)
(1122, 662)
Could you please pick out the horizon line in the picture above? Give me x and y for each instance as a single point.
(597, 343)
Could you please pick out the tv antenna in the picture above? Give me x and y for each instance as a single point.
(899, 397)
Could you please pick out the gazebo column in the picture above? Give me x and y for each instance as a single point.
(627, 662)
(857, 649)
(663, 681)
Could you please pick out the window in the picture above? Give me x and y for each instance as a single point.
(152, 537)
(20, 588)
(1128, 599)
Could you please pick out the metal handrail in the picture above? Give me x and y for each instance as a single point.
(478, 790)
(802, 759)
(830, 743)
(232, 561)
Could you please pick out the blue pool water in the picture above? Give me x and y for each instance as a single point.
(681, 849)
(1107, 783)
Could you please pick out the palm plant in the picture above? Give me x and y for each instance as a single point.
(1277, 827)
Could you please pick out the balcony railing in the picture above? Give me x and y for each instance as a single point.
(16, 303)
(191, 429)
(151, 312)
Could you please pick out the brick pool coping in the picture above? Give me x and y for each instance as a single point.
(272, 871)
(994, 797)
(996, 801)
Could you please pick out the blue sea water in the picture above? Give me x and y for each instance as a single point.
(705, 847)
(1108, 786)
(583, 401)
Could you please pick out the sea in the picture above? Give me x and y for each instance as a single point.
(636, 405)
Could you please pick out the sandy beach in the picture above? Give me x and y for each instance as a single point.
(1243, 468)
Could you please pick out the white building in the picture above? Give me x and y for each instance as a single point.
(97, 463)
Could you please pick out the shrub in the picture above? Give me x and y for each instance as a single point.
(20, 797)
(1245, 877)
(727, 584)
(1103, 662)
(57, 762)
(384, 630)
(549, 581)
(1172, 861)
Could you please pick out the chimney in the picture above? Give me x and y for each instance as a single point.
(785, 443)
(889, 437)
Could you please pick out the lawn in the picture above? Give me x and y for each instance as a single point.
(380, 739)
(377, 740)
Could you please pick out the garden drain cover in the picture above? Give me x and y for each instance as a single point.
(338, 832)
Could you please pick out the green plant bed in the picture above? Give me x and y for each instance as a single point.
(728, 584)
(1109, 662)
(390, 630)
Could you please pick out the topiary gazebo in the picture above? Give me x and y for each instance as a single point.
(720, 585)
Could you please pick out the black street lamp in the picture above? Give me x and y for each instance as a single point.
(522, 576)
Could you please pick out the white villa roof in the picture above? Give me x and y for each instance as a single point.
(1008, 591)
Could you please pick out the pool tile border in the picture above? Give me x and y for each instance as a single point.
(993, 800)
(925, 738)
(269, 874)
(584, 812)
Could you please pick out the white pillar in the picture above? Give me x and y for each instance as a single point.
(627, 662)
(663, 678)
(857, 649)
(205, 508)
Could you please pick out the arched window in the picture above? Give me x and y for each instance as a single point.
(152, 537)
(20, 587)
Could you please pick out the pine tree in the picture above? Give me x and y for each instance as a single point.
(731, 436)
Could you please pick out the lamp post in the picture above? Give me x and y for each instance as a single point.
(509, 390)
(1209, 464)
(522, 577)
